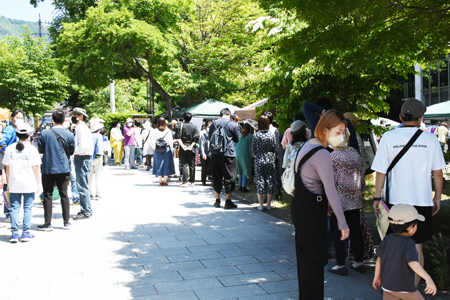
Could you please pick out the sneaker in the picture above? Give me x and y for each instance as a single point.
(76, 201)
(81, 217)
(217, 203)
(260, 208)
(148, 169)
(67, 226)
(7, 220)
(14, 238)
(244, 190)
(127, 168)
(184, 184)
(229, 204)
(191, 184)
(45, 227)
(134, 168)
(240, 189)
(26, 237)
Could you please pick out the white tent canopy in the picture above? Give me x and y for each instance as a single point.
(249, 112)
(388, 121)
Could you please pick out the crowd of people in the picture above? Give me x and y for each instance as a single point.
(321, 146)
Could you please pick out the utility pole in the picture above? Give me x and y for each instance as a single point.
(112, 97)
(40, 26)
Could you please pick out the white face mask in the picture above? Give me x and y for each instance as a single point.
(66, 125)
(337, 141)
(130, 124)
(18, 121)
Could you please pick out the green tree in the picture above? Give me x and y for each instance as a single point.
(289, 78)
(218, 50)
(30, 79)
(123, 40)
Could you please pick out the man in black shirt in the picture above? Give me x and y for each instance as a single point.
(223, 165)
(187, 135)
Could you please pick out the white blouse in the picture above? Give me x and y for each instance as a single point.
(157, 134)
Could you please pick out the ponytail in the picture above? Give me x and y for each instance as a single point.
(22, 137)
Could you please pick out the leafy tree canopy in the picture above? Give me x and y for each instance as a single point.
(121, 40)
(30, 79)
(218, 50)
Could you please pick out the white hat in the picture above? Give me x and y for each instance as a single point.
(24, 128)
(403, 213)
(95, 126)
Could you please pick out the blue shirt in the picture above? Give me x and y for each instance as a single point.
(231, 131)
(9, 137)
(98, 144)
(55, 160)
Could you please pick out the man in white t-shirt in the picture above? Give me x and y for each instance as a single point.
(410, 179)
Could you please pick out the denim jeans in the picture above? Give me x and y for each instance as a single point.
(83, 166)
(73, 183)
(28, 202)
(242, 180)
(129, 156)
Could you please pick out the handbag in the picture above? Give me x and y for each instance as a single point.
(160, 144)
(288, 176)
(7, 199)
(368, 240)
(382, 220)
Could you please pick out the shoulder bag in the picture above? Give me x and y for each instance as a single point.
(382, 221)
(58, 137)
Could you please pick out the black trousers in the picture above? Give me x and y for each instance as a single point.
(206, 170)
(356, 237)
(48, 182)
(223, 169)
(187, 160)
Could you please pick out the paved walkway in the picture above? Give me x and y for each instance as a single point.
(150, 242)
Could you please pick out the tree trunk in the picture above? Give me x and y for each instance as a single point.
(158, 88)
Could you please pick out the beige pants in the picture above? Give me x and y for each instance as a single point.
(403, 296)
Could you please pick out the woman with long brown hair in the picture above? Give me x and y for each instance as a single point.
(244, 160)
(161, 141)
(314, 189)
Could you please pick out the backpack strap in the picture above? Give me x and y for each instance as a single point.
(307, 156)
(60, 142)
(397, 158)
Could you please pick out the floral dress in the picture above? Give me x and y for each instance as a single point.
(263, 148)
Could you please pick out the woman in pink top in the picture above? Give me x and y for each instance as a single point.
(314, 189)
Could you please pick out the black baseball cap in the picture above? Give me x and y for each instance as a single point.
(413, 107)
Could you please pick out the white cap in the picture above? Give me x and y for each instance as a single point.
(403, 213)
(24, 128)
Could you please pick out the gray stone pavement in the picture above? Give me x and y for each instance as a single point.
(150, 242)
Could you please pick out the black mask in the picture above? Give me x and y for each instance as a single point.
(74, 120)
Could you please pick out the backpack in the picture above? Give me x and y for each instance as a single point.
(160, 144)
(219, 142)
(288, 176)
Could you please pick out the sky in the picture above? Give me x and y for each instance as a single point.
(23, 10)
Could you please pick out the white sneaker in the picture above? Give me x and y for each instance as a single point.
(7, 220)
(184, 184)
(191, 184)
